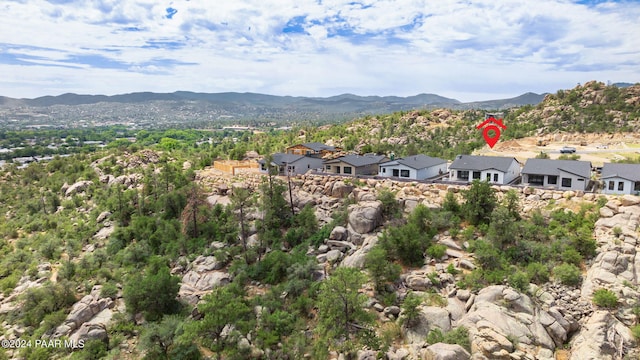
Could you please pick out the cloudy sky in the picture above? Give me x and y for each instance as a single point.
(467, 50)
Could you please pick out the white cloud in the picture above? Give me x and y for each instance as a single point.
(459, 49)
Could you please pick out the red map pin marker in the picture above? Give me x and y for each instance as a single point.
(494, 124)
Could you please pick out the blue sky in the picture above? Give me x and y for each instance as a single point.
(468, 50)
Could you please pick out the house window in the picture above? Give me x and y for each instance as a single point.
(337, 169)
(328, 167)
(476, 175)
(611, 184)
(488, 177)
(396, 172)
(566, 182)
(463, 175)
(552, 179)
(620, 185)
(347, 170)
(404, 173)
(495, 177)
(636, 187)
(384, 170)
(537, 180)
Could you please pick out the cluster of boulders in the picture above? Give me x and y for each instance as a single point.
(88, 319)
(141, 158)
(200, 277)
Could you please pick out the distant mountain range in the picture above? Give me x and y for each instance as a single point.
(345, 102)
(184, 108)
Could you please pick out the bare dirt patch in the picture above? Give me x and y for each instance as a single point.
(596, 148)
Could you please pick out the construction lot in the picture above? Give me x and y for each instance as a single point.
(596, 148)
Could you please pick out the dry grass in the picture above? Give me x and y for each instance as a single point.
(563, 354)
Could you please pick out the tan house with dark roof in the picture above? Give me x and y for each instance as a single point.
(312, 149)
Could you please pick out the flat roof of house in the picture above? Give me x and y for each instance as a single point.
(416, 161)
(553, 167)
(624, 171)
(358, 160)
(479, 163)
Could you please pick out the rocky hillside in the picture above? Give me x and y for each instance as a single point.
(592, 107)
(545, 321)
(468, 294)
(134, 252)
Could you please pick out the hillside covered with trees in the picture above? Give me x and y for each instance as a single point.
(138, 250)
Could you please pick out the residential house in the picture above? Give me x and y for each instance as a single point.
(354, 164)
(291, 164)
(557, 174)
(494, 169)
(415, 167)
(621, 178)
(315, 149)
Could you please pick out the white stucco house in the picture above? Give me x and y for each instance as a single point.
(621, 179)
(415, 167)
(557, 174)
(494, 169)
(291, 164)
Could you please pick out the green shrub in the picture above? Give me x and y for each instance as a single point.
(109, 290)
(617, 231)
(273, 267)
(480, 202)
(435, 299)
(537, 273)
(7, 284)
(460, 336)
(635, 330)
(452, 269)
(381, 270)
(318, 238)
(435, 336)
(567, 274)
(154, 292)
(436, 251)
(519, 280)
(406, 243)
(410, 311)
(571, 256)
(93, 349)
(472, 280)
(450, 203)
(605, 298)
(390, 206)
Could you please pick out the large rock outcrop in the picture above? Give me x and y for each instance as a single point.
(201, 276)
(77, 187)
(84, 311)
(501, 317)
(601, 337)
(605, 334)
(429, 318)
(364, 217)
